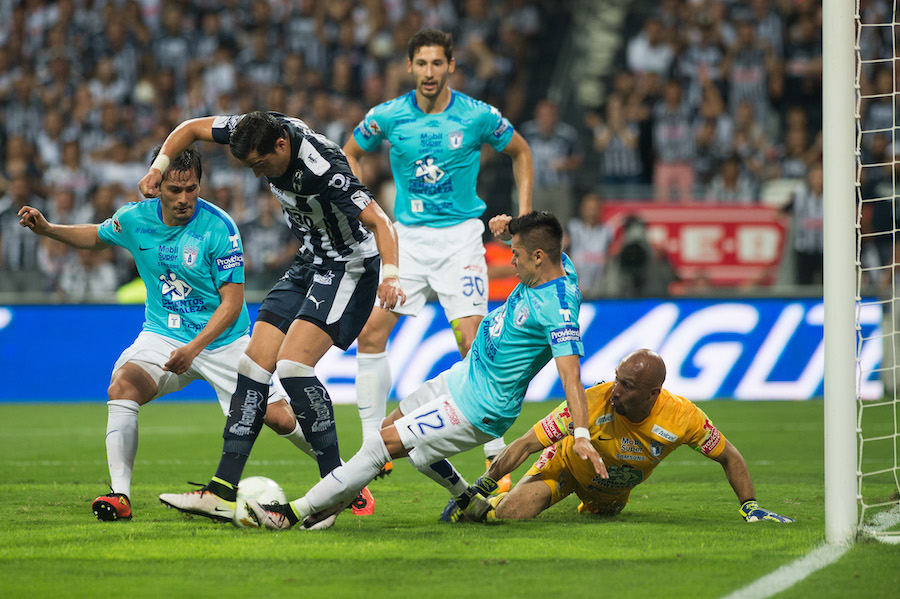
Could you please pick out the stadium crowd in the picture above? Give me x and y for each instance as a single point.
(714, 101)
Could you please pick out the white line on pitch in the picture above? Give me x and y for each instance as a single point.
(788, 575)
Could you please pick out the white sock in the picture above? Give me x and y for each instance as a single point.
(373, 384)
(493, 447)
(121, 442)
(296, 437)
(344, 482)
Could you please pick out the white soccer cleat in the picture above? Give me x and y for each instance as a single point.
(325, 518)
(201, 502)
(273, 516)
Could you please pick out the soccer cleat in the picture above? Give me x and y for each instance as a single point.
(201, 502)
(478, 510)
(452, 513)
(364, 504)
(505, 483)
(385, 470)
(275, 516)
(111, 507)
(325, 518)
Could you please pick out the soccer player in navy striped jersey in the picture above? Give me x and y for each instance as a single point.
(322, 301)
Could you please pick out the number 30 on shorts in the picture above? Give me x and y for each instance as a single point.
(472, 285)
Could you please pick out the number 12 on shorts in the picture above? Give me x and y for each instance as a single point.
(428, 421)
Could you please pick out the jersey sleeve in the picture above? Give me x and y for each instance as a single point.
(554, 426)
(222, 127)
(227, 255)
(703, 436)
(560, 322)
(496, 130)
(114, 230)
(370, 132)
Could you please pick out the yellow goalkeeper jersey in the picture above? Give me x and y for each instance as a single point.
(630, 450)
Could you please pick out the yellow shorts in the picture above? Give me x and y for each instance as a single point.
(553, 470)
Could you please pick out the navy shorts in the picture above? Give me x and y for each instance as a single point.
(337, 297)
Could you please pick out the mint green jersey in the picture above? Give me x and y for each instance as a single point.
(514, 342)
(182, 267)
(435, 157)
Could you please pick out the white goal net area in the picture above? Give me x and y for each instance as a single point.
(877, 115)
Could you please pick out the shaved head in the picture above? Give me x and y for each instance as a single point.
(649, 364)
(639, 379)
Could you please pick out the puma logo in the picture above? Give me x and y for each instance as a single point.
(315, 301)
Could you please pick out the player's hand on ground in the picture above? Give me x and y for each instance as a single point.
(33, 219)
(180, 360)
(499, 226)
(751, 512)
(586, 451)
(390, 294)
(149, 185)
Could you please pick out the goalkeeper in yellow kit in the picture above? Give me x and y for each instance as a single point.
(634, 425)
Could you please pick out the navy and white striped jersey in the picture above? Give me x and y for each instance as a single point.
(320, 196)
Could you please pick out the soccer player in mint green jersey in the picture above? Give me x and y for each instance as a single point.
(479, 398)
(189, 254)
(436, 135)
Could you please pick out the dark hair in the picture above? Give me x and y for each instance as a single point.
(430, 37)
(187, 161)
(539, 230)
(256, 131)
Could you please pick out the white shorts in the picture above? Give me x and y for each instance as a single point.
(448, 261)
(217, 366)
(432, 426)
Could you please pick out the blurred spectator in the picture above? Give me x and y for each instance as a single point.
(589, 241)
(269, 246)
(807, 209)
(752, 73)
(673, 144)
(106, 86)
(19, 268)
(71, 173)
(700, 63)
(89, 276)
(616, 138)
(557, 152)
(803, 63)
(649, 52)
(750, 143)
(730, 185)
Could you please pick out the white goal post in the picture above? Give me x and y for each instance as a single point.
(839, 281)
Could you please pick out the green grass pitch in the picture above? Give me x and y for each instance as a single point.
(681, 535)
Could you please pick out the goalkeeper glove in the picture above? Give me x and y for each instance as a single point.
(751, 512)
(472, 505)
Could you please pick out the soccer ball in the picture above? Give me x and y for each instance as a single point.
(262, 489)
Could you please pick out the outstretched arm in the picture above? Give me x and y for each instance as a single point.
(739, 478)
(177, 142)
(736, 472)
(514, 455)
(570, 374)
(83, 237)
(523, 170)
